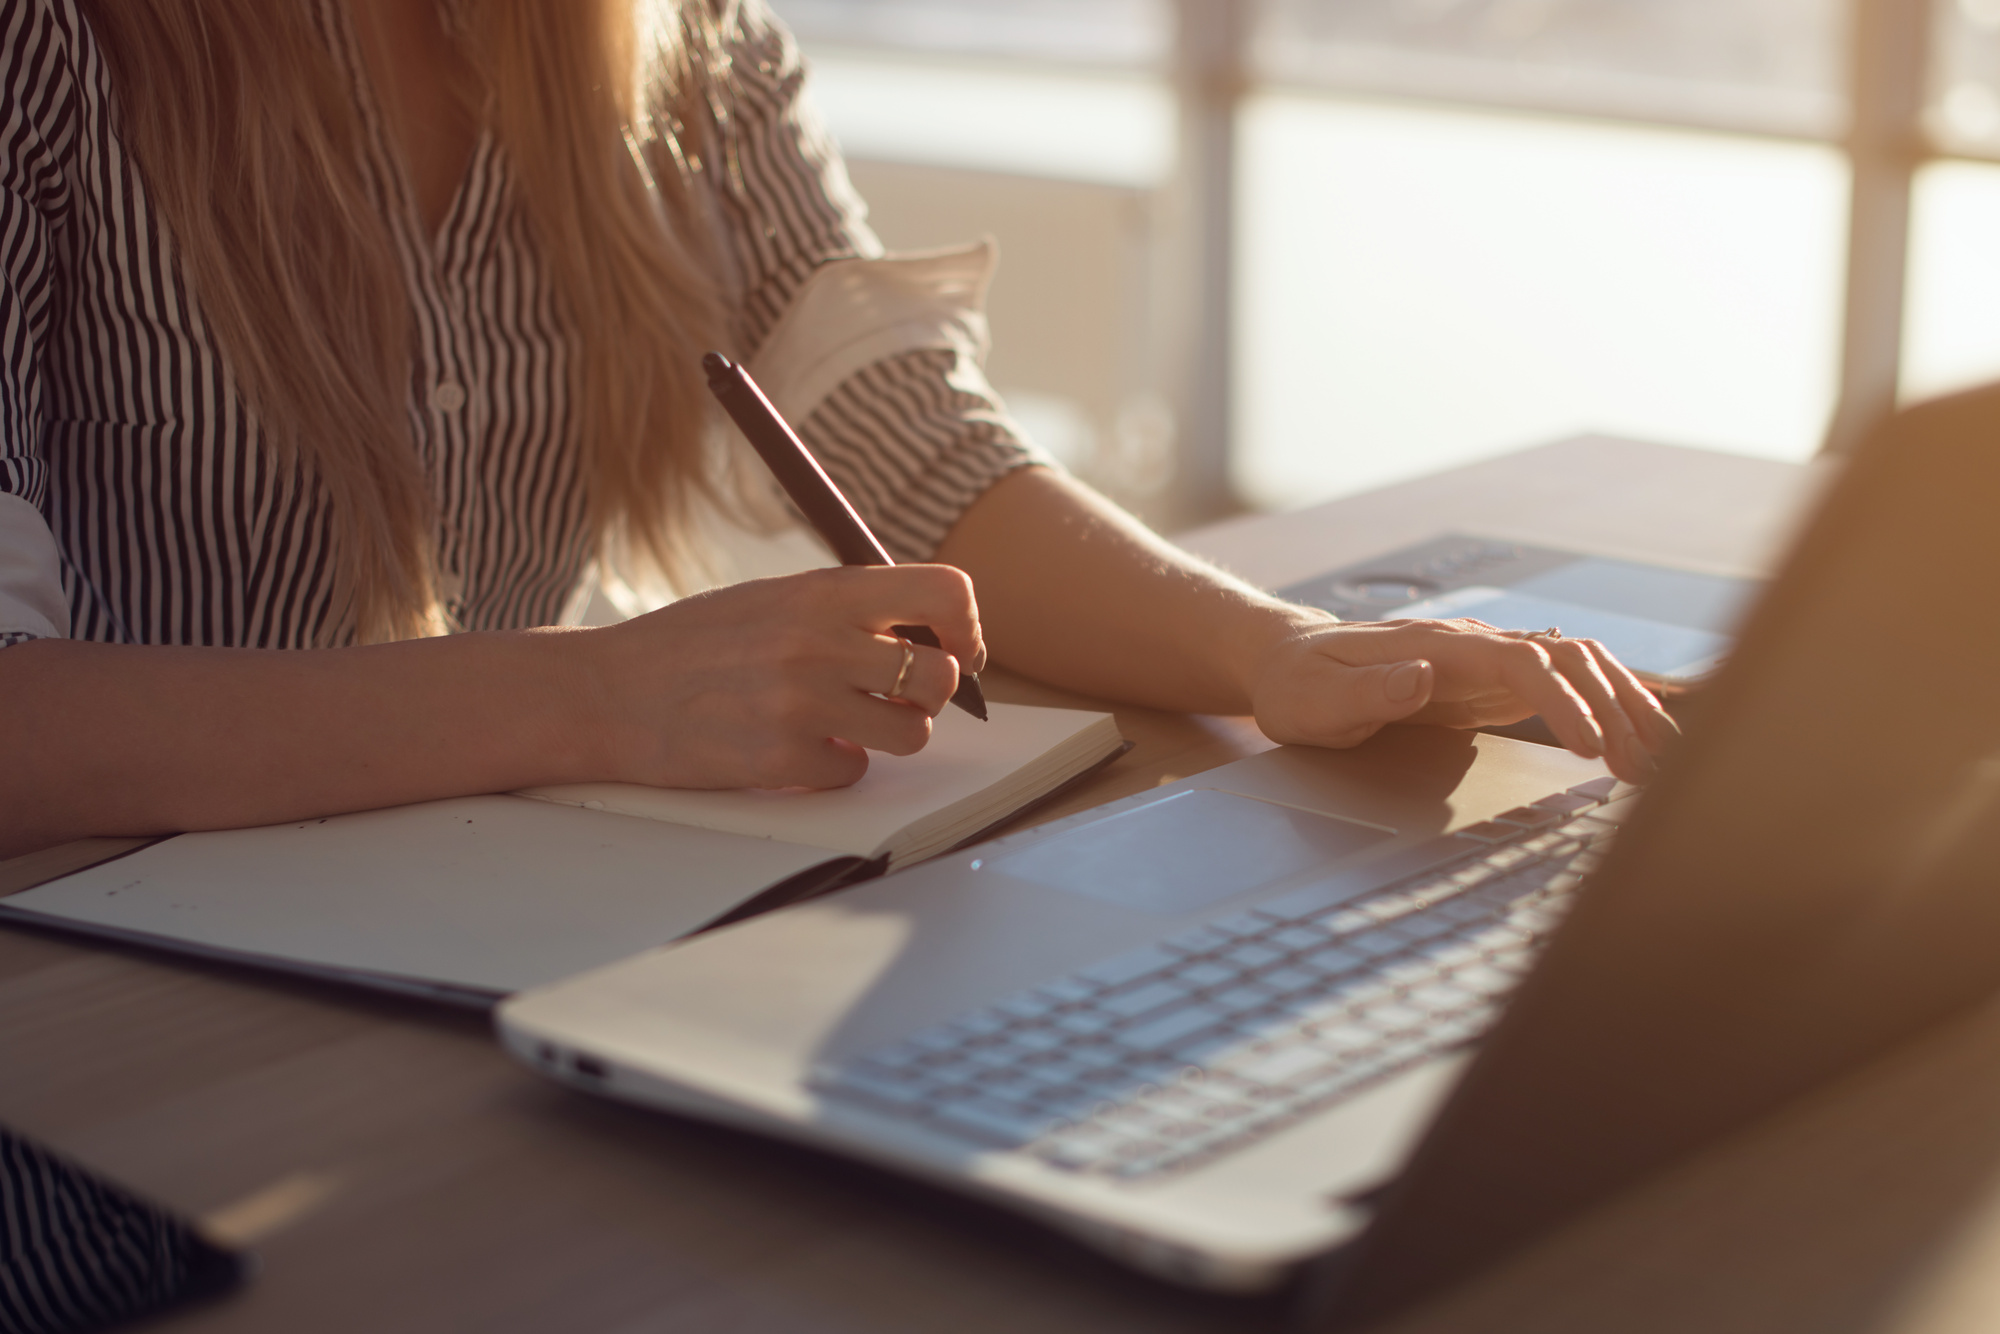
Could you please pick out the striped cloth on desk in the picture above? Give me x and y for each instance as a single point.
(77, 1253)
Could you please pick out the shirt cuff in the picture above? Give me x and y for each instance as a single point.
(856, 313)
(32, 604)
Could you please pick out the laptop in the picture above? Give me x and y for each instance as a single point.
(1367, 1021)
(1670, 626)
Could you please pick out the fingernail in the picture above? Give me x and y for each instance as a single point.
(1403, 684)
(1637, 756)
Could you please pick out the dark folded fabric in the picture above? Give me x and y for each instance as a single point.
(78, 1253)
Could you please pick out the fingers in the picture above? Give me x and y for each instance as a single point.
(877, 597)
(913, 674)
(1527, 670)
(1581, 662)
(1656, 727)
(1317, 699)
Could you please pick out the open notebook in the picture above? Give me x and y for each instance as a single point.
(477, 897)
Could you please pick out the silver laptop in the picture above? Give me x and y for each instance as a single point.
(1370, 1019)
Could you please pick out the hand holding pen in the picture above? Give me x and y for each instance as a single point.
(824, 507)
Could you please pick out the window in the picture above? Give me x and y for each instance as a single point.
(1463, 226)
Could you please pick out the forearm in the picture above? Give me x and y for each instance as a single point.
(1075, 592)
(117, 739)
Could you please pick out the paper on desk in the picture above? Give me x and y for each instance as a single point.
(989, 768)
(491, 893)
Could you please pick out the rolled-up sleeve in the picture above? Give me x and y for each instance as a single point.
(39, 92)
(875, 358)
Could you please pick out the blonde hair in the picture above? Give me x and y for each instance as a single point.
(250, 145)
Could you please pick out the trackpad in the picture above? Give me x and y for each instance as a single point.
(1188, 851)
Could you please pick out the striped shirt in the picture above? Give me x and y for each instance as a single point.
(140, 504)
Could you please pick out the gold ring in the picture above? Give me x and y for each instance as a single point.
(902, 673)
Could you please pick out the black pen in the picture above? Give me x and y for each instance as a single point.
(815, 494)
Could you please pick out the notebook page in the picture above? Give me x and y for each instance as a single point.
(493, 893)
(964, 758)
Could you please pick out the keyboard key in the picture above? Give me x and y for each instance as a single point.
(898, 1056)
(1486, 831)
(1597, 789)
(1532, 816)
(1201, 940)
(1041, 1039)
(1252, 955)
(1281, 1066)
(943, 1038)
(982, 1024)
(993, 1120)
(1392, 1016)
(1026, 1005)
(1204, 1048)
(1162, 1033)
(1335, 958)
(1122, 968)
(1297, 938)
(1290, 981)
(994, 1058)
(1419, 927)
(1345, 922)
(1453, 1029)
(1483, 979)
(1206, 973)
(1439, 997)
(1242, 924)
(946, 1071)
(1082, 1023)
(1197, 1108)
(880, 1085)
(1142, 999)
(1082, 1149)
(1068, 990)
(1243, 999)
(1460, 911)
(1375, 944)
(1612, 812)
(1566, 803)
(1406, 973)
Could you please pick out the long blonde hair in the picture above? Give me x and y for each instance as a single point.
(250, 145)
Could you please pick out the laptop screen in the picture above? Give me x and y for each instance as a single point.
(1814, 878)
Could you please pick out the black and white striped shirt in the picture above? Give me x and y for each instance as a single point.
(138, 503)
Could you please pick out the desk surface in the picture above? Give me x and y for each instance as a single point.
(402, 1175)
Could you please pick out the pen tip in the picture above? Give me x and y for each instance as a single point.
(970, 697)
(717, 366)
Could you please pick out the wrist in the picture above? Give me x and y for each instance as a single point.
(1268, 625)
(555, 706)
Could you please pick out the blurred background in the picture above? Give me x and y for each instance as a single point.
(1260, 253)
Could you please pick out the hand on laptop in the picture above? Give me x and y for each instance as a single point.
(1337, 684)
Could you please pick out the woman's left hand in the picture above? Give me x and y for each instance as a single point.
(1338, 683)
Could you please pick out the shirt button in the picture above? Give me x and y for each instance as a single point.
(448, 396)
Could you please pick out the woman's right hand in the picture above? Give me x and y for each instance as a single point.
(778, 682)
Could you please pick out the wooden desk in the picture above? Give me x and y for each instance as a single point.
(404, 1176)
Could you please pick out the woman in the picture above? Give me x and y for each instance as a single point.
(334, 323)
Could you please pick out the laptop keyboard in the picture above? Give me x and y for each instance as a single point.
(1167, 1055)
